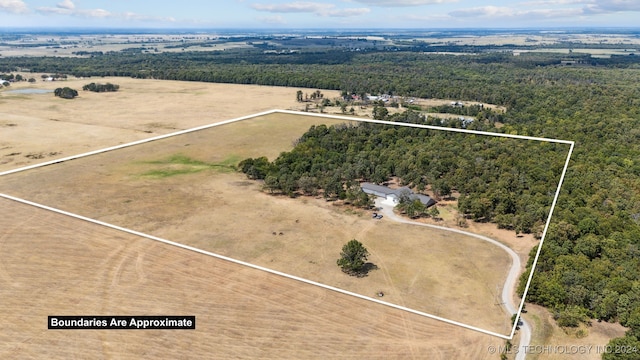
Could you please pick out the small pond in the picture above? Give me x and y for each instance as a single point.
(29, 91)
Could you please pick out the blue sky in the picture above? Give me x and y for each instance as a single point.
(340, 14)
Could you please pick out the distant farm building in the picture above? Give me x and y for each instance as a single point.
(573, 62)
(392, 196)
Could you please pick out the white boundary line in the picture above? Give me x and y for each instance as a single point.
(73, 157)
(257, 267)
(544, 234)
(452, 322)
(466, 131)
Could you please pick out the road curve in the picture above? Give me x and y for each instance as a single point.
(509, 288)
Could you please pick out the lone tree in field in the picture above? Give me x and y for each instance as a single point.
(353, 257)
(65, 93)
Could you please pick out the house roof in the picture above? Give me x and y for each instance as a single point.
(377, 188)
(386, 191)
(427, 200)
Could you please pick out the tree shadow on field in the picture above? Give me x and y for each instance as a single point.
(364, 271)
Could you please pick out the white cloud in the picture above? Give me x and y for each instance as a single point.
(66, 4)
(54, 10)
(350, 12)
(614, 5)
(591, 6)
(495, 12)
(95, 13)
(390, 3)
(67, 7)
(310, 8)
(294, 7)
(554, 2)
(491, 11)
(13, 6)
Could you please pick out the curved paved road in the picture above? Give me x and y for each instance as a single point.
(509, 287)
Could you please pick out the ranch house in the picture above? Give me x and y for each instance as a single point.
(393, 195)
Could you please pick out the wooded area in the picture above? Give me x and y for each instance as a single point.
(590, 262)
(507, 181)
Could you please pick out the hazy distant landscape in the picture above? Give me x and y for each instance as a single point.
(91, 42)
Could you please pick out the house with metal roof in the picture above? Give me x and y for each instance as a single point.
(393, 195)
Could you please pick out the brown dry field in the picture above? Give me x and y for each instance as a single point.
(42, 125)
(453, 276)
(33, 241)
(547, 332)
(56, 265)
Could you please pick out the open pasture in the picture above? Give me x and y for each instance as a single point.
(55, 265)
(40, 127)
(179, 189)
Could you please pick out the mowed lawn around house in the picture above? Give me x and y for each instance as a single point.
(181, 189)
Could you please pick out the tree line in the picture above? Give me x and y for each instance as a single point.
(108, 87)
(490, 78)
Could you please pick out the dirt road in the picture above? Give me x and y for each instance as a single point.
(508, 290)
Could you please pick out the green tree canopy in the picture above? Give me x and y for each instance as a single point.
(108, 87)
(65, 92)
(353, 257)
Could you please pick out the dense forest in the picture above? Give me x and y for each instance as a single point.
(590, 261)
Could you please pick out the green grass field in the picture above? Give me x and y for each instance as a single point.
(181, 164)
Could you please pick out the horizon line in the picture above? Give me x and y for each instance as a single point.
(332, 29)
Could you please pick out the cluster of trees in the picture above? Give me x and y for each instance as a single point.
(56, 76)
(590, 261)
(461, 109)
(6, 79)
(108, 87)
(414, 208)
(11, 77)
(316, 95)
(65, 92)
(278, 179)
